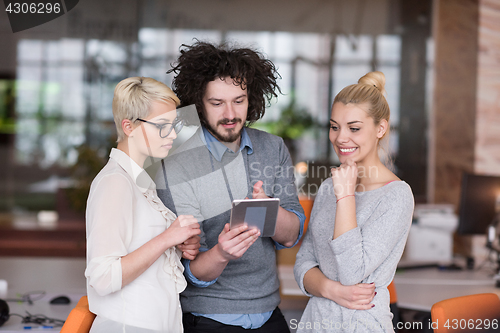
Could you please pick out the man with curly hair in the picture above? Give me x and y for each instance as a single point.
(233, 283)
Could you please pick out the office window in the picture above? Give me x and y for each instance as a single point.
(49, 102)
(65, 87)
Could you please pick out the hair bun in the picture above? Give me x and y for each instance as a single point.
(376, 79)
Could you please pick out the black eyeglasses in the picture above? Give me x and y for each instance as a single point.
(166, 128)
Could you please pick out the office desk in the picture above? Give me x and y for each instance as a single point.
(39, 307)
(55, 276)
(419, 289)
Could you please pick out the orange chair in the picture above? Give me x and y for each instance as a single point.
(80, 318)
(466, 314)
(392, 293)
(307, 205)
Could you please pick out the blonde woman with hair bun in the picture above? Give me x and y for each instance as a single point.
(359, 223)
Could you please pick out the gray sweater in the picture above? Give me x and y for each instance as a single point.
(200, 185)
(368, 253)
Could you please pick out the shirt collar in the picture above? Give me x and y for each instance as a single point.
(217, 148)
(138, 174)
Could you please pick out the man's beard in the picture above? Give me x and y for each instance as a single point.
(228, 136)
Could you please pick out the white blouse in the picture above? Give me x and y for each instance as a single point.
(123, 213)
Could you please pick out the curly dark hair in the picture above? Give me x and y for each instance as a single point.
(203, 62)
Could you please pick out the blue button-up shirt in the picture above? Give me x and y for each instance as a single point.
(247, 321)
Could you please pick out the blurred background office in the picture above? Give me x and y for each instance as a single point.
(441, 59)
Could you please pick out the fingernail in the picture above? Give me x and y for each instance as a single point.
(375, 293)
(373, 305)
(372, 283)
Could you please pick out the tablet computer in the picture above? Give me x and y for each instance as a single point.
(260, 213)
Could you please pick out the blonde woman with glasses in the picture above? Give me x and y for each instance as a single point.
(134, 243)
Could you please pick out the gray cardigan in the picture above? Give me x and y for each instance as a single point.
(367, 253)
(200, 185)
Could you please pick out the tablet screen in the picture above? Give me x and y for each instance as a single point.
(256, 216)
(259, 213)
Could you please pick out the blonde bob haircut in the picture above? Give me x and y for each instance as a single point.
(133, 97)
(369, 90)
